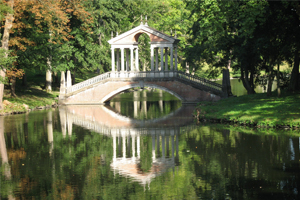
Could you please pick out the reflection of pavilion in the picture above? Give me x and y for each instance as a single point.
(126, 134)
(128, 164)
(140, 106)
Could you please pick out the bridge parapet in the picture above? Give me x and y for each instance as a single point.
(195, 81)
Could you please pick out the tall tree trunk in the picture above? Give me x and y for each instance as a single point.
(226, 83)
(270, 82)
(245, 80)
(294, 83)
(278, 82)
(5, 39)
(48, 85)
(12, 82)
(24, 80)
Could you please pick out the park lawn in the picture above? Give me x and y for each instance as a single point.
(30, 98)
(256, 109)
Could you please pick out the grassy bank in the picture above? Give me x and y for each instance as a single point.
(27, 99)
(254, 110)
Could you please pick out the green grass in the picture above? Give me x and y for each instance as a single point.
(32, 97)
(257, 109)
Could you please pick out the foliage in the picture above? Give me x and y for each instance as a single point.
(245, 33)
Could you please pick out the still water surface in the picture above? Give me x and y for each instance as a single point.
(146, 146)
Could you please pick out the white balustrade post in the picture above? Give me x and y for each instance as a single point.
(69, 79)
(166, 58)
(113, 59)
(62, 85)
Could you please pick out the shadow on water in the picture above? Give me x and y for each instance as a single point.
(94, 152)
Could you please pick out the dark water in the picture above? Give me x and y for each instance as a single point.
(102, 152)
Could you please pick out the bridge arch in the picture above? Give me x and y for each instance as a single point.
(121, 89)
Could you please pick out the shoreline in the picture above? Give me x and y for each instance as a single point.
(256, 110)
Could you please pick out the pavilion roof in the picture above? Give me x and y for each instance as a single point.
(131, 36)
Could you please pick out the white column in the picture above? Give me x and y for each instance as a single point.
(62, 85)
(156, 59)
(133, 148)
(137, 59)
(175, 58)
(171, 58)
(163, 147)
(124, 147)
(166, 58)
(70, 124)
(153, 148)
(127, 60)
(152, 59)
(69, 80)
(131, 59)
(138, 147)
(113, 59)
(122, 59)
(118, 59)
(115, 147)
(162, 59)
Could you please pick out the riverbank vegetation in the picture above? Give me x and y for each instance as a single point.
(256, 110)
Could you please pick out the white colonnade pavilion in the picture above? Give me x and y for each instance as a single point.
(162, 45)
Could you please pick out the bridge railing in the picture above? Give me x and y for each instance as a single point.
(199, 81)
(147, 74)
(88, 82)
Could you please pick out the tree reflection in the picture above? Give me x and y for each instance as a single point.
(161, 160)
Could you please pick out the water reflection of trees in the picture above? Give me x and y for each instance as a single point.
(242, 165)
(212, 164)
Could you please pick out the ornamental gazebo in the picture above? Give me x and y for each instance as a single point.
(128, 43)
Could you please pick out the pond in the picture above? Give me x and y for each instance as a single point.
(146, 146)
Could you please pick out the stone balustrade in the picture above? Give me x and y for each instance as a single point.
(195, 81)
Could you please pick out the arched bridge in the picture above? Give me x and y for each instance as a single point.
(100, 89)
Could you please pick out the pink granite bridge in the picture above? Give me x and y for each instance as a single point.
(102, 88)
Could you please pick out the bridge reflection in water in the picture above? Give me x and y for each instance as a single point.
(126, 134)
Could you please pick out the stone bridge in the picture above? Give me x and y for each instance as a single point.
(100, 89)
